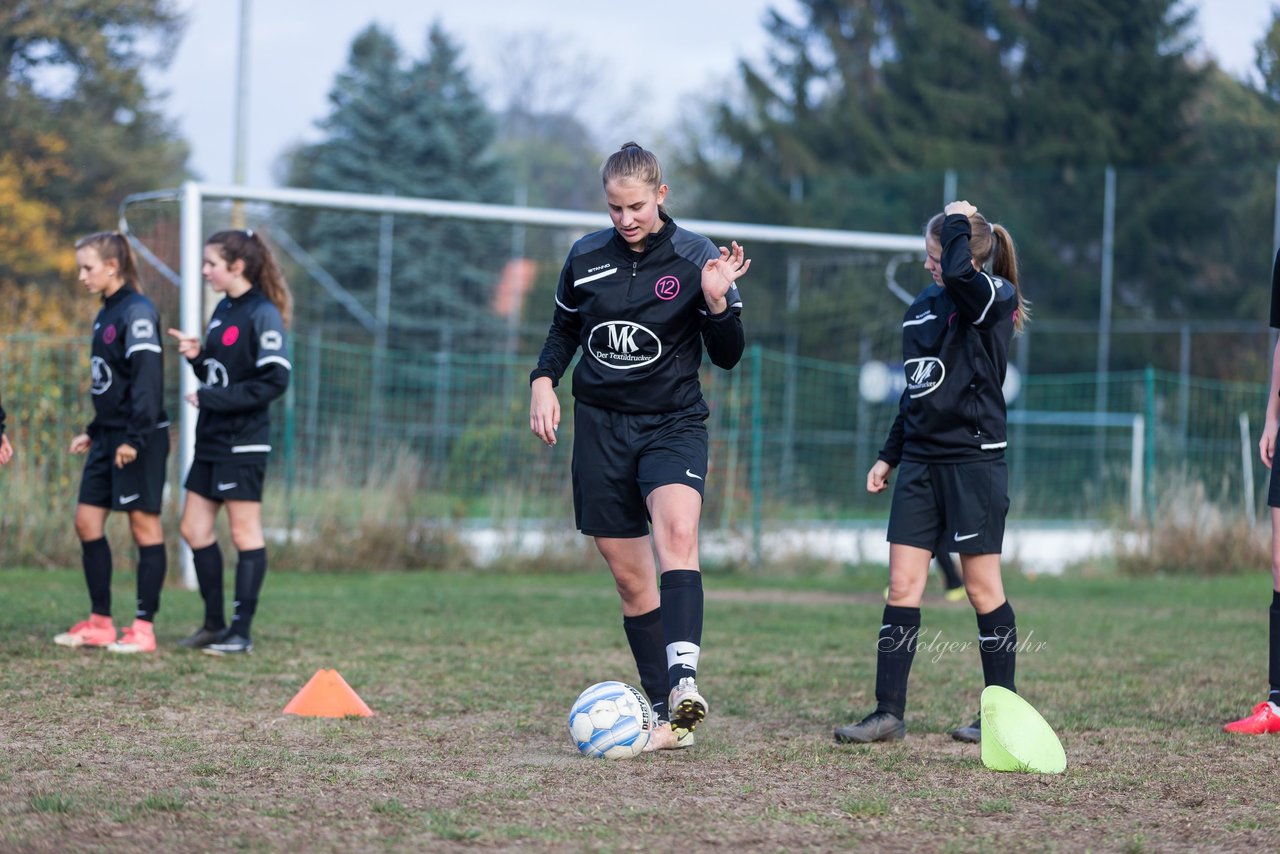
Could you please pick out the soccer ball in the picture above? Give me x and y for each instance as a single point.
(610, 720)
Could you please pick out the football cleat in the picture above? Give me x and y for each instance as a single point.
(688, 707)
(1264, 719)
(666, 737)
(955, 594)
(140, 637)
(230, 645)
(877, 726)
(202, 637)
(971, 734)
(96, 631)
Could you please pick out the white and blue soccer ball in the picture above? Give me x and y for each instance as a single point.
(610, 720)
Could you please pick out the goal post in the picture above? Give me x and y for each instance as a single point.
(191, 196)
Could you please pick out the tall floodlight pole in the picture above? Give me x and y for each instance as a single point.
(240, 155)
(1104, 306)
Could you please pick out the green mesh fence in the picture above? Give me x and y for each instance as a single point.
(443, 438)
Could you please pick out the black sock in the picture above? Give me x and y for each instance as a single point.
(96, 556)
(681, 592)
(895, 650)
(208, 561)
(998, 646)
(251, 568)
(948, 567)
(644, 634)
(151, 570)
(1275, 648)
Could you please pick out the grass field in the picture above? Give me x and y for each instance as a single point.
(471, 678)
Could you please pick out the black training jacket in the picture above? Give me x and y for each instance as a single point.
(955, 349)
(640, 320)
(243, 366)
(127, 367)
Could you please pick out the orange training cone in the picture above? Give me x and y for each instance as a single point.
(327, 695)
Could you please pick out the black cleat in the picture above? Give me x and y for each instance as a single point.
(230, 645)
(201, 638)
(877, 726)
(971, 734)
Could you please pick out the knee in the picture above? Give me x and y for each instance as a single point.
(197, 535)
(246, 536)
(631, 585)
(87, 528)
(680, 536)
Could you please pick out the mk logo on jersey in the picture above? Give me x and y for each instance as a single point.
(622, 339)
(215, 373)
(622, 345)
(101, 372)
(924, 375)
(923, 369)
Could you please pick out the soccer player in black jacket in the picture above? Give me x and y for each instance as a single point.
(243, 365)
(949, 438)
(127, 444)
(641, 299)
(1265, 717)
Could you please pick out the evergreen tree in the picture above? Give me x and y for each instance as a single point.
(418, 131)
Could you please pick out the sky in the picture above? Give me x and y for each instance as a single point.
(650, 63)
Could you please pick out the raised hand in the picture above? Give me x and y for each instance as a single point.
(960, 207)
(718, 274)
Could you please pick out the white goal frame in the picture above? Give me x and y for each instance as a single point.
(192, 195)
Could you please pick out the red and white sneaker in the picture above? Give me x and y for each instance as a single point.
(140, 637)
(95, 631)
(1264, 719)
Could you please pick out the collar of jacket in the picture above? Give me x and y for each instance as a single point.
(125, 290)
(652, 242)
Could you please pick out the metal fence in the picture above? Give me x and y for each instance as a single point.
(445, 435)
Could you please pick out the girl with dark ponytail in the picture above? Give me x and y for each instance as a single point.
(243, 365)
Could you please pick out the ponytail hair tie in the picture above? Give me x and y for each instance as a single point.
(248, 232)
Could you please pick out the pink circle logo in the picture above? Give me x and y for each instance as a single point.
(108, 335)
(667, 287)
(230, 335)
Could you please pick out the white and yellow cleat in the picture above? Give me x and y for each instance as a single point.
(664, 737)
(688, 707)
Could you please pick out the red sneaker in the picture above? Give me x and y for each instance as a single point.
(95, 631)
(140, 637)
(1264, 719)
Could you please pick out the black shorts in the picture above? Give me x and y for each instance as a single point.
(1273, 489)
(619, 458)
(227, 481)
(137, 486)
(960, 504)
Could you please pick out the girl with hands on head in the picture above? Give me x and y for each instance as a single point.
(126, 445)
(949, 440)
(641, 300)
